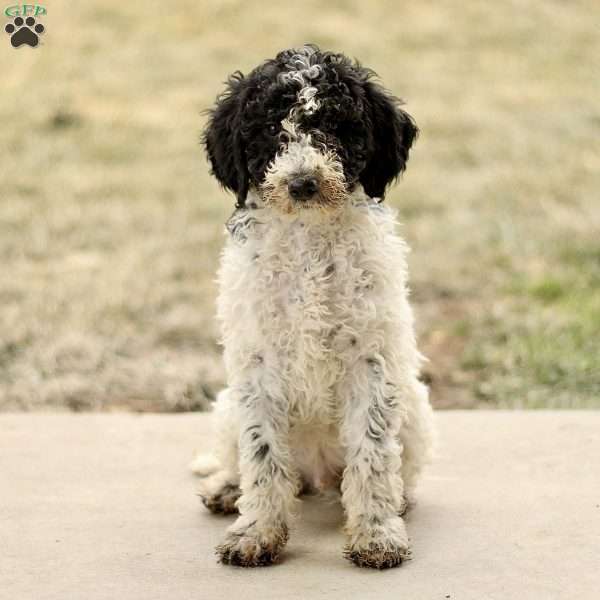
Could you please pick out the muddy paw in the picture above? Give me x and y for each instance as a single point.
(376, 556)
(251, 548)
(219, 492)
(381, 545)
(223, 501)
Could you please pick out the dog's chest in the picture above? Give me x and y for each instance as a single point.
(307, 280)
(304, 300)
(312, 278)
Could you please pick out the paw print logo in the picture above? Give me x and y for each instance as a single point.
(24, 32)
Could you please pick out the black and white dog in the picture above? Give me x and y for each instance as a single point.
(323, 370)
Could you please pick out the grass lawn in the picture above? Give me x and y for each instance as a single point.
(110, 226)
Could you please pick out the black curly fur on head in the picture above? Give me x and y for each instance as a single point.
(330, 98)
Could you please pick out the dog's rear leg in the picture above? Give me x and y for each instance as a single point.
(268, 481)
(220, 486)
(417, 437)
(372, 488)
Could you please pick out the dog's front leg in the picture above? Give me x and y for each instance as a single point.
(372, 489)
(268, 481)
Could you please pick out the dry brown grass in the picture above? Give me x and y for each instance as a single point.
(110, 226)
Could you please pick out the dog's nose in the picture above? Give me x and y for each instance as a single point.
(303, 188)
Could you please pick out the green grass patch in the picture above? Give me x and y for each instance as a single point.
(545, 349)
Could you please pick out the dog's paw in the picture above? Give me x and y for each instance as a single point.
(376, 556)
(223, 502)
(219, 493)
(251, 546)
(381, 547)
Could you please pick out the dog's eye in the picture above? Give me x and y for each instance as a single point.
(272, 129)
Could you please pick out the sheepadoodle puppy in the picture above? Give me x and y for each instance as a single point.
(323, 387)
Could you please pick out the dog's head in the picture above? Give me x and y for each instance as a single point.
(304, 128)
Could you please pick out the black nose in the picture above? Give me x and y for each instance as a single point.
(303, 188)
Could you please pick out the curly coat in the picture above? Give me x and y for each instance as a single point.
(323, 369)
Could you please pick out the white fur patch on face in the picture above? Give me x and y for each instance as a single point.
(298, 156)
(302, 71)
(307, 99)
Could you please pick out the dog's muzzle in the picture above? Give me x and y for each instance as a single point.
(303, 188)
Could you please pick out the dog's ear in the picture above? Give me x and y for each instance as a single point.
(392, 132)
(223, 140)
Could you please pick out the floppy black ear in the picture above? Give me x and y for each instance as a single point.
(223, 140)
(393, 132)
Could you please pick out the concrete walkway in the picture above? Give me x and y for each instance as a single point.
(102, 506)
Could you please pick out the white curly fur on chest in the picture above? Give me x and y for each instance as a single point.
(309, 295)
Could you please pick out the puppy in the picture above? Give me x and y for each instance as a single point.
(322, 366)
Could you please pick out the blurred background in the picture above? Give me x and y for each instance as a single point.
(111, 227)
